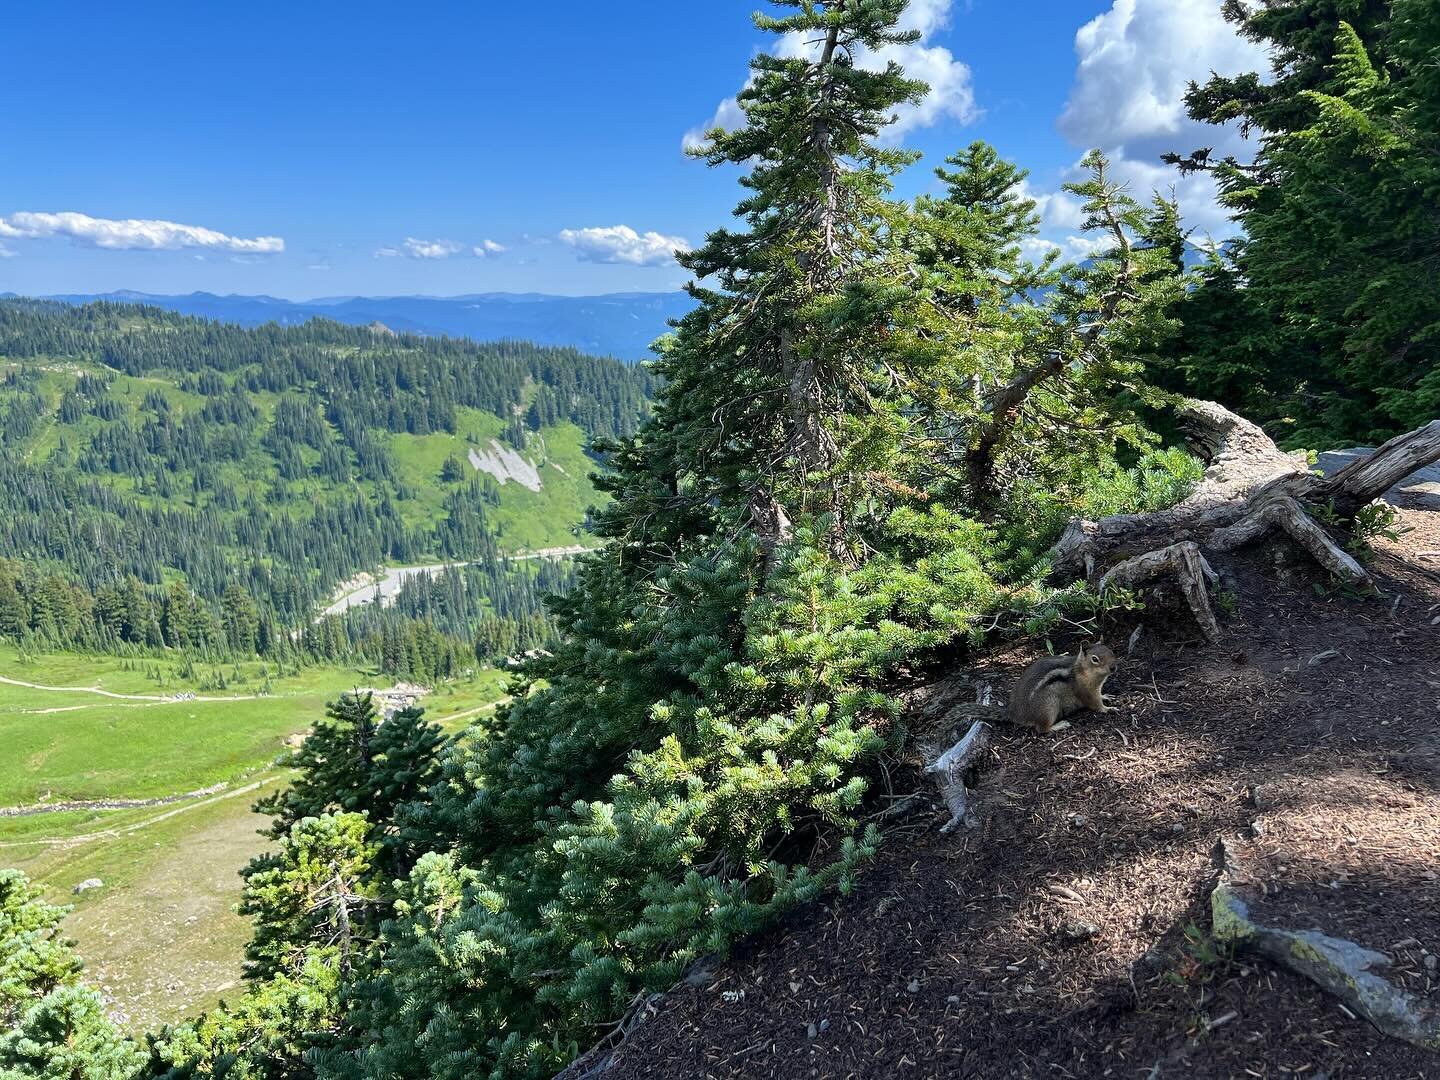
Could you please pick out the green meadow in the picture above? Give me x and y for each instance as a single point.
(161, 935)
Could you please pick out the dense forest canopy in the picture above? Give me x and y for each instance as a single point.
(173, 482)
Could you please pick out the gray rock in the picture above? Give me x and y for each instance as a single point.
(1421, 489)
(87, 885)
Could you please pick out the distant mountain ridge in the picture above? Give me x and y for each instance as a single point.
(621, 325)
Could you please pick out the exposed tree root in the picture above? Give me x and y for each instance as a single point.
(1251, 491)
(1189, 568)
(948, 771)
(1284, 513)
(1342, 968)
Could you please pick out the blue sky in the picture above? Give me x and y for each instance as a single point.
(326, 148)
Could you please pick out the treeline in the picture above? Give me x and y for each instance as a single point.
(442, 623)
(439, 626)
(45, 610)
(361, 380)
(290, 557)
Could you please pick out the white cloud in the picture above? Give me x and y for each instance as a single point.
(6, 253)
(728, 115)
(131, 234)
(952, 93)
(431, 249)
(1077, 248)
(1074, 248)
(622, 244)
(1036, 249)
(414, 248)
(1057, 209)
(1134, 64)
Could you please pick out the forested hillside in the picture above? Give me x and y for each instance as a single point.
(173, 482)
(621, 325)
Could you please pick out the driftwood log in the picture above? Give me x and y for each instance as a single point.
(1251, 490)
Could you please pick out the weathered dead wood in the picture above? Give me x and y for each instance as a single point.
(1284, 513)
(949, 770)
(1189, 568)
(1343, 968)
(1367, 479)
(1239, 455)
(1241, 459)
(1250, 491)
(772, 524)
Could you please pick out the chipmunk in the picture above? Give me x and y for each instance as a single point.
(1055, 686)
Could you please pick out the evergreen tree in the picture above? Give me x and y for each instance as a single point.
(242, 619)
(777, 549)
(352, 763)
(51, 1027)
(67, 1036)
(14, 613)
(34, 959)
(317, 892)
(265, 1035)
(1312, 320)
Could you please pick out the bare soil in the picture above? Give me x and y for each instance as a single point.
(1069, 936)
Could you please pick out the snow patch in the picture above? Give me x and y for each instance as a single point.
(505, 464)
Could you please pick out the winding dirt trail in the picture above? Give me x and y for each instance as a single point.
(159, 699)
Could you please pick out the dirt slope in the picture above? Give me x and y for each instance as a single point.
(1069, 935)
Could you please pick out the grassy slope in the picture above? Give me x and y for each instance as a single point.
(70, 745)
(161, 936)
(525, 519)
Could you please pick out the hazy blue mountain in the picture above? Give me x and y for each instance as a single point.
(619, 324)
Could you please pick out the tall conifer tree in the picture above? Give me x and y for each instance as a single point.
(1313, 319)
